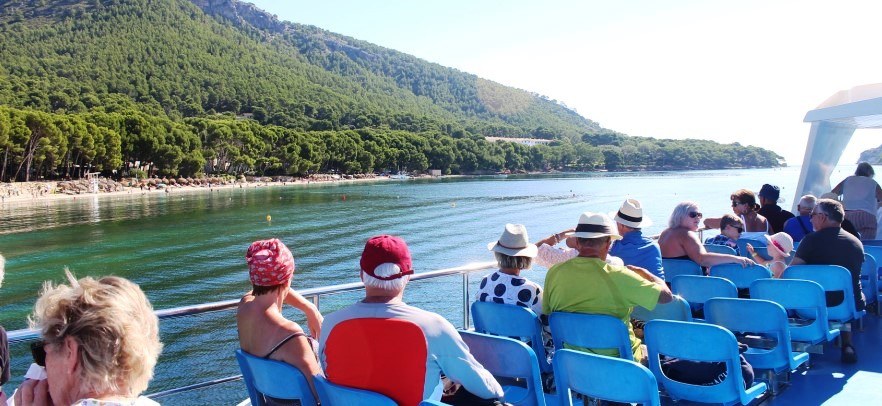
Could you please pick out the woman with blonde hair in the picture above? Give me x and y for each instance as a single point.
(680, 239)
(100, 342)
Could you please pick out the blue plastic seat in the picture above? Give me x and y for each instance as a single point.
(267, 378)
(765, 318)
(876, 252)
(802, 296)
(758, 245)
(870, 280)
(511, 321)
(741, 276)
(677, 309)
(676, 267)
(831, 278)
(874, 243)
(595, 331)
(601, 377)
(332, 394)
(698, 289)
(720, 249)
(432, 403)
(509, 358)
(703, 343)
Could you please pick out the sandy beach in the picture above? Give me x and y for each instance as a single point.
(28, 192)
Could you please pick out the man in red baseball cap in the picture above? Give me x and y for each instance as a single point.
(386, 267)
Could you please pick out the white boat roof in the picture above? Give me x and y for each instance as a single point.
(833, 123)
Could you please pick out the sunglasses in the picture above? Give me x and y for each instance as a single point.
(739, 229)
(694, 214)
(736, 204)
(38, 351)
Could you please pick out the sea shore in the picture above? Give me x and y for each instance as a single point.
(18, 192)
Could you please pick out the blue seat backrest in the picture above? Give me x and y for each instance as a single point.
(508, 358)
(804, 296)
(720, 249)
(597, 331)
(870, 278)
(275, 379)
(763, 317)
(758, 245)
(741, 276)
(831, 278)
(874, 243)
(704, 343)
(601, 377)
(331, 394)
(677, 267)
(698, 289)
(511, 321)
(677, 309)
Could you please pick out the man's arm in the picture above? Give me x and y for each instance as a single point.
(665, 295)
(797, 261)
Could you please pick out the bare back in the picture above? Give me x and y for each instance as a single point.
(679, 242)
(262, 327)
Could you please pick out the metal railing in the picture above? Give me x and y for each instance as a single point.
(25, 335)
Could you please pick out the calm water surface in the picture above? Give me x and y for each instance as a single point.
(185, 249)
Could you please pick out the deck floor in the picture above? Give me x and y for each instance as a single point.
(830, 382)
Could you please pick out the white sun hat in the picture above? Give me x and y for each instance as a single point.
(514, 242)
(596, 225)
(631, 215)
(781, 242)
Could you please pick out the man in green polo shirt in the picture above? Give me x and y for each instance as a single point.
(587, 284)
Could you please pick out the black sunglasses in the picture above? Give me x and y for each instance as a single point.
(39, 352)
(740, 230)
(694, 214)
(735, 204)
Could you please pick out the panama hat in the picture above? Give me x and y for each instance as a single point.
(631, 215)
(596, 225)
(780, 242)
(514, 242)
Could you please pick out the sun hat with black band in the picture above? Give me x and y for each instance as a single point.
(514, 242)
(631, 215)
(596, 225)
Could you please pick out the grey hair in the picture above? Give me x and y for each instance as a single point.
(681, 212)
(508, 261)
(384, 270)
(832, 209)
(808, 201)
(593, 242)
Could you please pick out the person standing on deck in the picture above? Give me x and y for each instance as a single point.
(587, 284)
(768, 197)
(634, 248)
(860, 196)
(831, 245)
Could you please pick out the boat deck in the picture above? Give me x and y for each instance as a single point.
(830, 382)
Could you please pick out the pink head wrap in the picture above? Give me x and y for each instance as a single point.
(270, 262)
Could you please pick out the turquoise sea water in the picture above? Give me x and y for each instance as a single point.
(185, 249)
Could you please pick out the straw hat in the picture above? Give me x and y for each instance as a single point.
(631, 215)
(781, 242)
(514, 242)
(596, 225)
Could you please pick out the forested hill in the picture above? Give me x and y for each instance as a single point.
(99, 85)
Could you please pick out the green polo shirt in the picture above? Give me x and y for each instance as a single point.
(589, 285)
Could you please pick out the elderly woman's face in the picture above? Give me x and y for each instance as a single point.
(692, 219)
(60, 367)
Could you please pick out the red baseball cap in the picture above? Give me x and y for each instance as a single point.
(386, 249)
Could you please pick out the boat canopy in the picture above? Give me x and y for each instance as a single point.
(833, 124)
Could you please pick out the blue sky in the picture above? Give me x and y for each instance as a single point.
(743, 71)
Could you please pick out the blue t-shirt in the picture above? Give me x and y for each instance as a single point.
(635, 249)
(798, 227)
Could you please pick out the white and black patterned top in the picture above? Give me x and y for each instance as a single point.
(503, 288)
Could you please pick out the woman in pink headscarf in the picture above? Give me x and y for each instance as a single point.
(263, 330)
